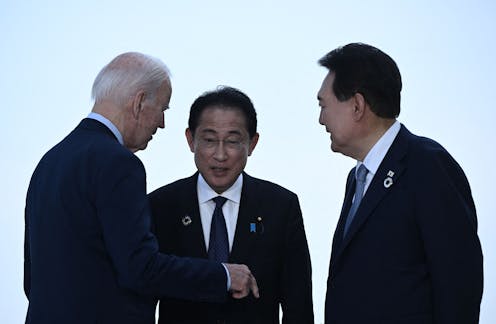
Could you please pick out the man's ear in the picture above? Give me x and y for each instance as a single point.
(190, 139)
(359, 105)
(137, 106)
(253, 143)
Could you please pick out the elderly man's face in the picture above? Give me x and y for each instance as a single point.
(150, 117)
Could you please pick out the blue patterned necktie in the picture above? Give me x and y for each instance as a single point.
(360, 186)
(218, 246)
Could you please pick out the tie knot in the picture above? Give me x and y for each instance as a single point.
(219, 201)
(361, 173)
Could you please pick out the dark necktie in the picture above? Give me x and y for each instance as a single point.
(218, 246)
(360, 186)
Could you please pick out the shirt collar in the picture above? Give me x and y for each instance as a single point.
(380, 149)
(108, 123)
(206, 193)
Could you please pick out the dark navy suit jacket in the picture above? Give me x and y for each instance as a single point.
(89, 253)
(269, 238)
(412, 254)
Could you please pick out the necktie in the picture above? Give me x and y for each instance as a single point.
(360, 186)
(218, 246)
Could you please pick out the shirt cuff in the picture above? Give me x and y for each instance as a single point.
(228, 277)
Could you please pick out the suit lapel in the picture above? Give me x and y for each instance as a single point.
(348, 198)
(192, 232)
(248, 212)
(390, 167)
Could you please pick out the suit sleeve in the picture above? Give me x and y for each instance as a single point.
(123, 211)
(296, 279)
(447, 220)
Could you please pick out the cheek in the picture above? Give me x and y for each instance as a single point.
(240, 159)
(201, 158)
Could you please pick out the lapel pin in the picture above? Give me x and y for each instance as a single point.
(186, 220)
(388, 182)
(257, 227)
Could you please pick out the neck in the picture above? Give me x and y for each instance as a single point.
(112, 112)
(372, 133)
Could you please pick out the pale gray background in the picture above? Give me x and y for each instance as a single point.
(52, 50)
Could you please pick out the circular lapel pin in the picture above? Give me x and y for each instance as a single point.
(388, 182)
(186, 220)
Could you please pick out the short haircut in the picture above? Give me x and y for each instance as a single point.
(224, 97)
(362, 68)
(127, 74)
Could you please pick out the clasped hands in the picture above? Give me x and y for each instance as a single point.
(242, 281)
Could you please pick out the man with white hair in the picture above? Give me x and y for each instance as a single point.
(89, 253)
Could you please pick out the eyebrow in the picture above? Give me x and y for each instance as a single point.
(212, 131)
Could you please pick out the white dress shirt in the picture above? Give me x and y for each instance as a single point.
(230, 208)
(378, 152)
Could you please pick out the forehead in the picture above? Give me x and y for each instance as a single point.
(165, 89)
(326, 91)
(328, 82)
(219, 116)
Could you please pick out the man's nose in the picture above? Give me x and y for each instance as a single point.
(162, 121)
(220, 152)
(321, 119)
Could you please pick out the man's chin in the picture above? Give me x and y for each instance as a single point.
(136, 149)
(335, 148)
(217, 184)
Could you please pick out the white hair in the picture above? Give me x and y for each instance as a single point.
(127, 74)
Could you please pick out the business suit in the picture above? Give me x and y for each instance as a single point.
(412, 254)
(269, 239)
(89, 253)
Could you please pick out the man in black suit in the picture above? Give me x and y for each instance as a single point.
(89, 254)
(261, 222)
(405, 249)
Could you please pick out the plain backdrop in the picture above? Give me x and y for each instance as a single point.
(52, 50)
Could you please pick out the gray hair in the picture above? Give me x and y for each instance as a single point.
(127, 74)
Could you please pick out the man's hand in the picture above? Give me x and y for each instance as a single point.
(242, 281)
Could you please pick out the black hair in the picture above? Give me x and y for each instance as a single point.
(228, 97)
(362, 68)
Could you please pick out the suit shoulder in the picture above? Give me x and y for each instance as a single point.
(112, 156)
(431, 159)
(172, 188)
(270, 188)
(92, 149)
(428, 151)
(421, 143)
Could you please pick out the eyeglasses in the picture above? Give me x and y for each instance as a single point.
(211, 143)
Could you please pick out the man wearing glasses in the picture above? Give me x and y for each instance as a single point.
(223, 214)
